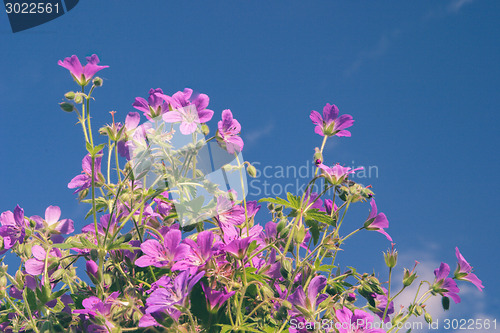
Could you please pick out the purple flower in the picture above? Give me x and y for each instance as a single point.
(156, 105)
(13, 227)
(306, 304)
(464, 271)
(165, 299)
(186, 97)
(131, 122)
(82, 74)
(197, 254)
(92, 269)
(227, 134)
(337, 173)
(188, 117)
(377, 222)
(52, 215)
(94, 307)
(189, 111)
(162, 255)
(331, 124)
(381, 303)
(36, 266)
(444, 285)
(359, 321)
(238, 247)
(84, 181)
(216, 298)
(102, 226)
(328, 206)
(229, 213)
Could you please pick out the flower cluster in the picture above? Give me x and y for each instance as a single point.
(240, 268)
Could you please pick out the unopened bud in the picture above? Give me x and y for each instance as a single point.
(67, 107)
(97, 81)
(70, 95)
(391, 257)
(205, 129)
(78, 98)
(428, 318)
(252, 171)
(300, 234)
(408, 277)
(445, 301)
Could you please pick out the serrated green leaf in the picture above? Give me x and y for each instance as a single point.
(278, 201)
(294, 200)
(88, 244)
(57, 294)
(66, 246)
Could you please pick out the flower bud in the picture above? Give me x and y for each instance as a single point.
(408, 277)
(70, 95)
(391, 257)
(300, 234)
(78, 98)
(286, 268)
(205, 129)
(97, 81)
(252, 171)
(428, 318)
(318, 157)
(67, 107)
(445, 301)
(418, 310)
(92, 271)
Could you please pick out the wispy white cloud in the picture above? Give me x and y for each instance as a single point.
(442, 10)
(252, 136)
(375, 51)
(456, 5)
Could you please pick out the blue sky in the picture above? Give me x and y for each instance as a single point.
(420, 78)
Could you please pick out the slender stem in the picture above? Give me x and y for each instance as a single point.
(110, 152)
(243, 194)
(388, 295)
(117, 163)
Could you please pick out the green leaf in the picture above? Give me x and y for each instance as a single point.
(278, 201)
(294, 200)
(316, 215)
(88, 244)
(31, 298)
(66, 246)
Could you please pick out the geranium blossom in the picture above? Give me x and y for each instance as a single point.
(337, 173)
(189, 111)
(357, 322)
(52, 215)
(377, 221)
(464, 271)
(84, 181)
(331, 124)
(82, 74)
(444, 285)
(303, 303)
(155, 106)
(167, 298)
(13, 227)
(36, 266)
(227, 133)
(216, 298)
(162, 254)
(197, 254)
